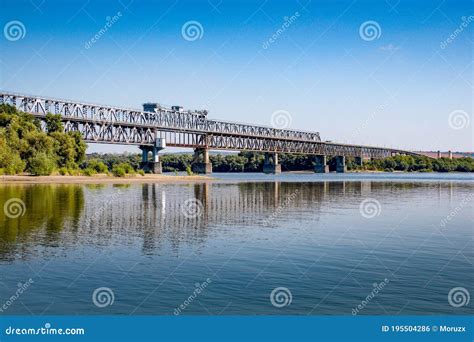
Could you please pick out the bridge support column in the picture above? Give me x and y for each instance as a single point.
(270, 163)
(341, 164)
(153, 164)
(320, 164)
(201, 165)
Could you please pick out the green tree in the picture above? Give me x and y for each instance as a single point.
(54, 123)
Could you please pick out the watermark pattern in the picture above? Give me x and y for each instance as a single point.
(192, 208)
(14, 30)
(380, 109)
(192, 30)
(370, 207)
(370, 30)
(288, 21)
(458, 119)
(46, 330)
(465, 21)
(281, 297)
(458, 296)
(103, 296)
(109, 22)
(377, 288)
(457, 209)
(99, 212)
(21, 288)
(281, 119)
(197, 291)
(14, 208)
(280, 208)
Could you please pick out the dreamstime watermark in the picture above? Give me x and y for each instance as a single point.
(46, 330)
(109, 22)
(14, 30)
(290, 198)
(456, 210)
(21, 288)
(377, 288)
(458, 296)
(14, 208)
(288, 21)
(281, 119)
(458, 119)
(199, 288)
(192, 208)
(192, 30)
(370, 207)
(465, 21)
(380, 109)
(103, 296)
(99, 212)
(281, 297)
(370, 30)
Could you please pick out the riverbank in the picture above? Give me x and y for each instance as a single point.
(98, 179)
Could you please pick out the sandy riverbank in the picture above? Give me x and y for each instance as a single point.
(98, 179)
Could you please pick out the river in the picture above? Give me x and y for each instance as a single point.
(244, 244)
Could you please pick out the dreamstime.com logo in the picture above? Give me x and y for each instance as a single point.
(103, 296)
(370, 30)
(288, 200)
(458, 296)
(288, 21)
(192, 208)
(458, 119)
(22, 287)
(465, 21)
(192, 30)
(370, 208)
(109, 22)
(281, 297)
(14, 208)
(456, 210)
(377, 288)
(199, 288)
(14, 30)
(281, 119)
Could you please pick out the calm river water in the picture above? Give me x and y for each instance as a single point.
(245, 244)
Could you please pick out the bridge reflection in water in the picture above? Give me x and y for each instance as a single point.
(160, 213)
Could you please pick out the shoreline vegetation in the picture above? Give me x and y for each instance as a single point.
(30, 148)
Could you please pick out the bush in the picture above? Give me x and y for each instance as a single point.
(63, 171)
(41, 165)
(97, 165)
(141, 172)
(189, 171)
(118, 171)
(89, 172)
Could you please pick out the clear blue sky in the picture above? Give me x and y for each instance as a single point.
(396, 90)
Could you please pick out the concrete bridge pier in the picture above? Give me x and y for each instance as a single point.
(341, 164)
(153, 164)
(270, 163)
(201, 163)
(320, 164)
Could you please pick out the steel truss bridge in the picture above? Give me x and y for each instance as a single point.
(119, 125)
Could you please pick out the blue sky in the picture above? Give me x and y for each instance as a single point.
(397, 88)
